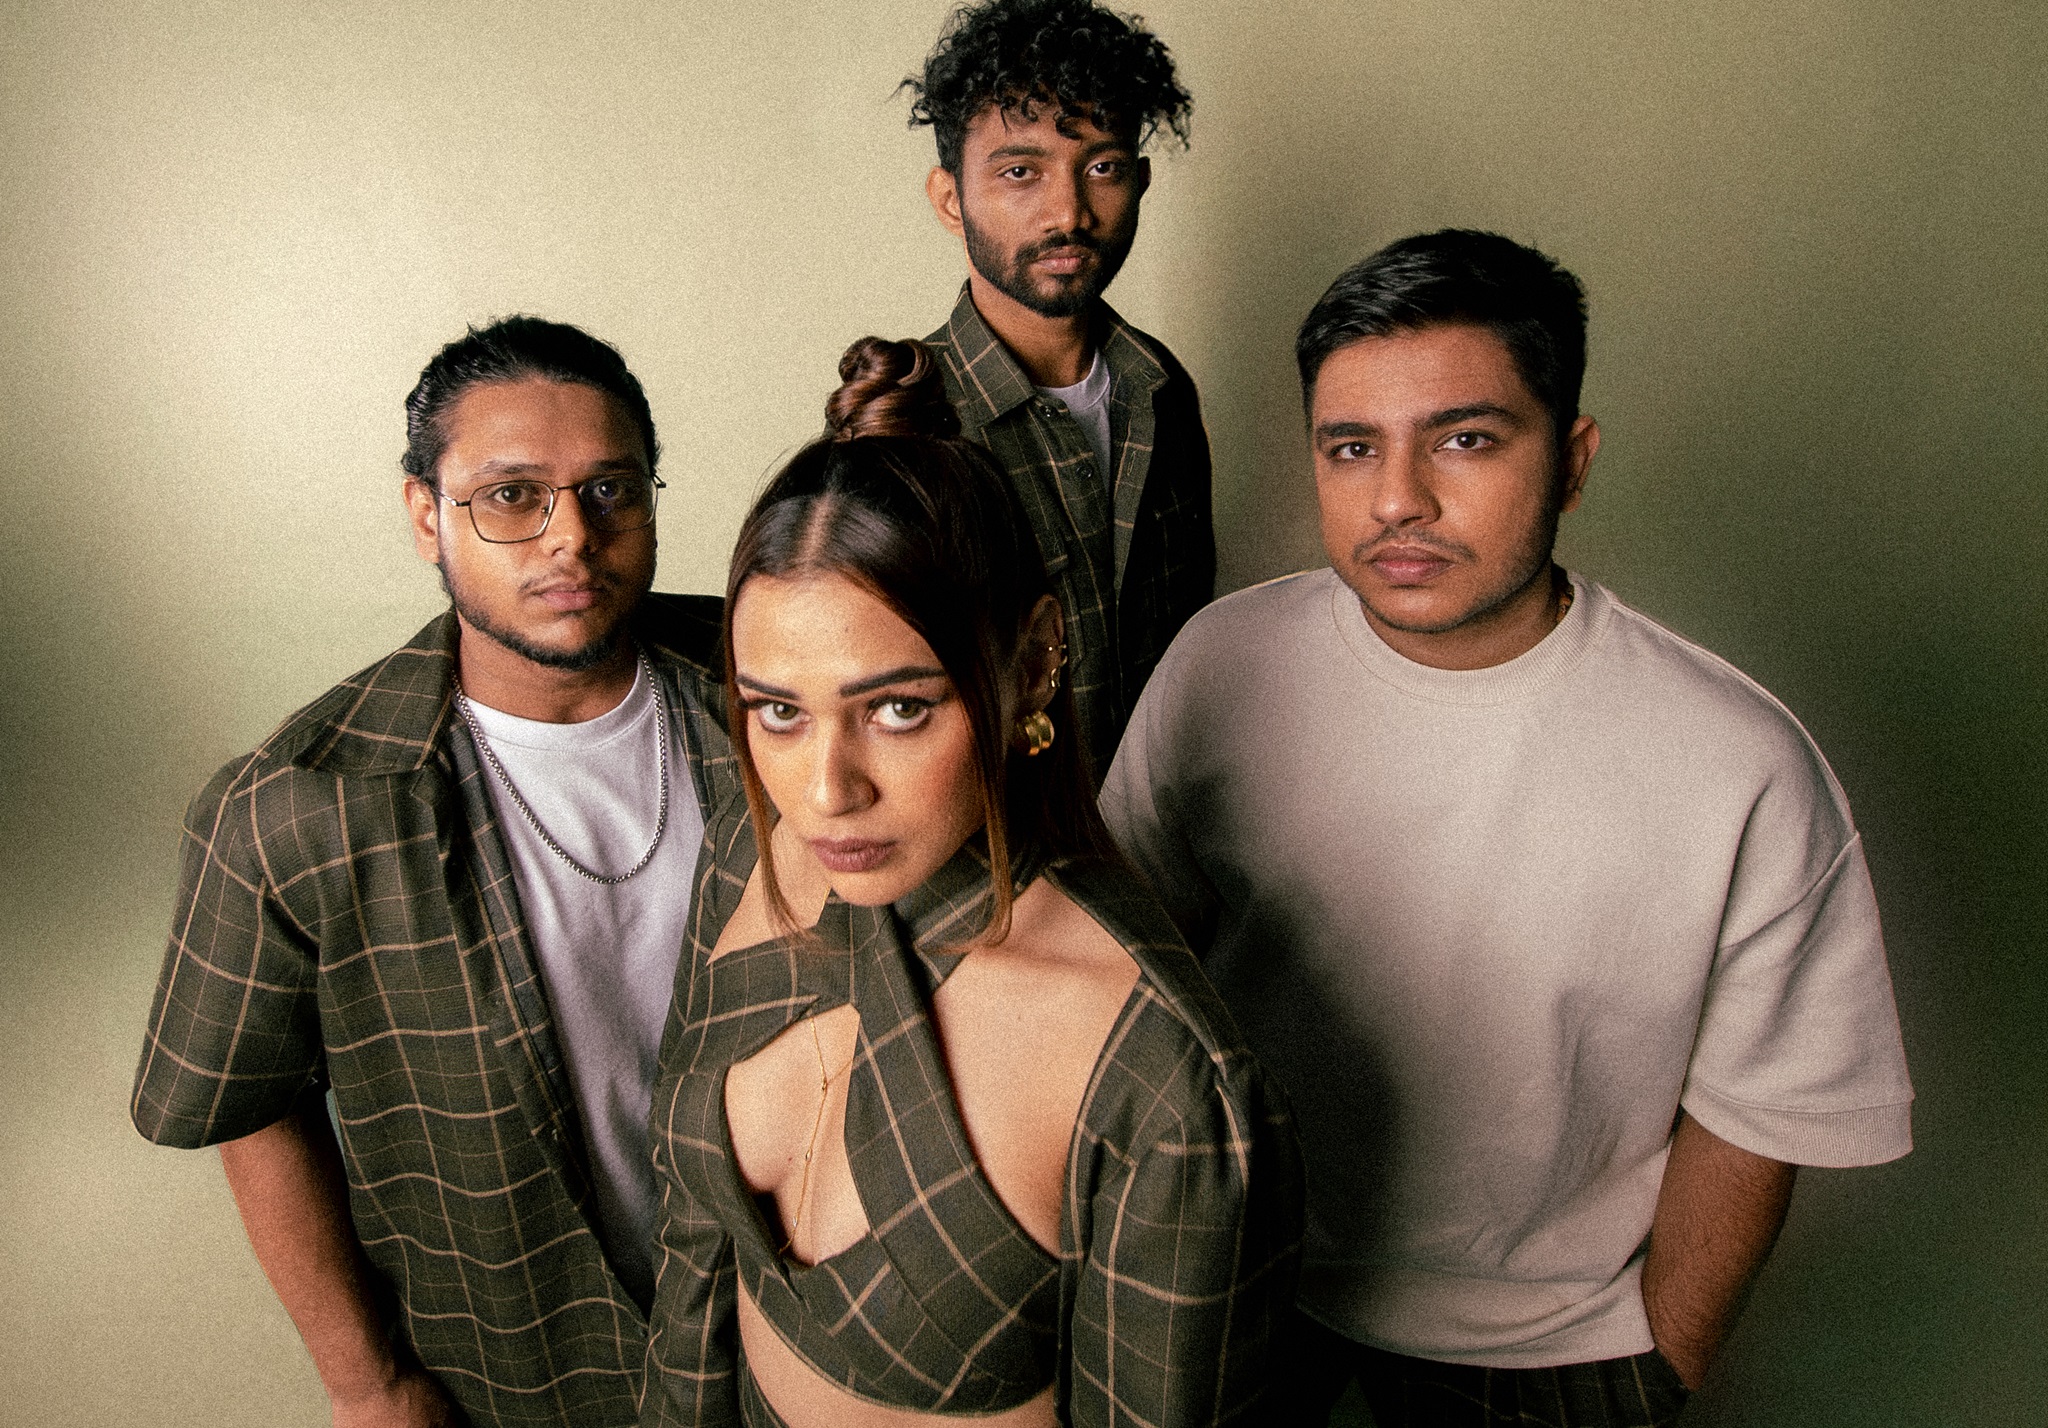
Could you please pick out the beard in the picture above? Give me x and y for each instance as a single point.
(1067, 295)
(1529, 563)
(602, 646)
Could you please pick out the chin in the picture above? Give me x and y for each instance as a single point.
(876, 889)
(898, 877)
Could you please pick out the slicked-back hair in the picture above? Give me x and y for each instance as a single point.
(928, 525)
(1072, 57)
(1458, 275)
(514, 349)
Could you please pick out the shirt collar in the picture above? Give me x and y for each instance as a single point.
(997, 383)
(395, 710)
(392, 714)
(952, 906)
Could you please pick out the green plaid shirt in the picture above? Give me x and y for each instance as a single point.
(348, 919)
(1131, 554)
(1180, 1233)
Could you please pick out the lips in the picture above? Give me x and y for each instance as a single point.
(573, 593)
(851, 855)
(1064, 260)
(1408, 565)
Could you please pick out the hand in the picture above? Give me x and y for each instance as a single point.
(411, 1400)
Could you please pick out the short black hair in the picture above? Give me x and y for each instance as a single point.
(1459, 275)
(513, 349)
(1072, 56)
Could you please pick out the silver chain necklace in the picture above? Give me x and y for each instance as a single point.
(476, 732)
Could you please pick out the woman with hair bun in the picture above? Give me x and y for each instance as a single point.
(949, 1121)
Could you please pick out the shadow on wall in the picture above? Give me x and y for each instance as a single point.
(1818, 359)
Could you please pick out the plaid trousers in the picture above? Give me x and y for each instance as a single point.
(1641, 1391)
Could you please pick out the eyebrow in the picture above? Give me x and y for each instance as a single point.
(498, 467)
(902, 674)
(1039, 151)
(1449, 416)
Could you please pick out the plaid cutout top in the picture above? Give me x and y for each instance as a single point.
(1179, 1236)
(1130, 551)
(348, 920)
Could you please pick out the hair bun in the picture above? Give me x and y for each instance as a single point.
(890, 389)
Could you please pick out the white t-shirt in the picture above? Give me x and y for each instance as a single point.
(1088, 400)
(607, 953)
(1491, 928)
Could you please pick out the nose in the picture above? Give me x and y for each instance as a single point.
(1402, 494)
(839, 784)
(1067, 209)
(569, 530)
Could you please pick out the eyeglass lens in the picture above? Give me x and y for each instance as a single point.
(518, 510)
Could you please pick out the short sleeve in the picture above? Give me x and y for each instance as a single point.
(1798, 1055)
(234, 1032)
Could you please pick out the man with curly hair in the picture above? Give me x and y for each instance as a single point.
(1041, 109)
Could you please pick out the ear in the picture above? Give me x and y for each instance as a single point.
(1580, 446)
(1042, 658)
(944, 192)
(1141, 175)
(423, 513)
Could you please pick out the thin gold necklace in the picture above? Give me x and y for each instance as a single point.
(825, 1080)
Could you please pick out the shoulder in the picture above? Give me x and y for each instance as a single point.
(684, 636)
(1261, 622)
(380, 722)
(1652, 675)
(1179, 1020)
(1134, 352)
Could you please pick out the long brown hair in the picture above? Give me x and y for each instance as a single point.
(894, 500)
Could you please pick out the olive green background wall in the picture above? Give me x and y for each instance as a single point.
(232, 233)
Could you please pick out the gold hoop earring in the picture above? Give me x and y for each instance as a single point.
(1036, 727)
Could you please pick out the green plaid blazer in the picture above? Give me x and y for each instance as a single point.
(348, 920)
(1180, 1236)
(1131, 554)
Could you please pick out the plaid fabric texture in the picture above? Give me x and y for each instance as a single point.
(1131, 553)
(1639, 1391)
(1182, 1225)
(348, 919)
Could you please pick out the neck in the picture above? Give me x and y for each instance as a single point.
(1512, 628)
(503, 679)
(1054, 351)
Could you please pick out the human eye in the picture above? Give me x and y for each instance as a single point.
(775, 716)
(1351, 451)
(513, 496)
(1015, 173)
(1108, 168)
(1468, 441)
(901, 713)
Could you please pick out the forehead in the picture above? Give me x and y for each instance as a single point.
(819, 631)
(538, 422)
(994, 127)
(1419, 370)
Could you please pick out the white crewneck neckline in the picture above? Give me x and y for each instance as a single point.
(1518, 678)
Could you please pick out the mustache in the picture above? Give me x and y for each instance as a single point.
(571, 575)
(1031, 253)
(1429, 540)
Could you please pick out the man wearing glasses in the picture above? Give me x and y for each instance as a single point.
(446, 899)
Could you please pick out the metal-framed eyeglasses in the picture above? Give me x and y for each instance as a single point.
(507, 512)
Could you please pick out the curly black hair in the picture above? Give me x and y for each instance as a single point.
(1070, 56)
